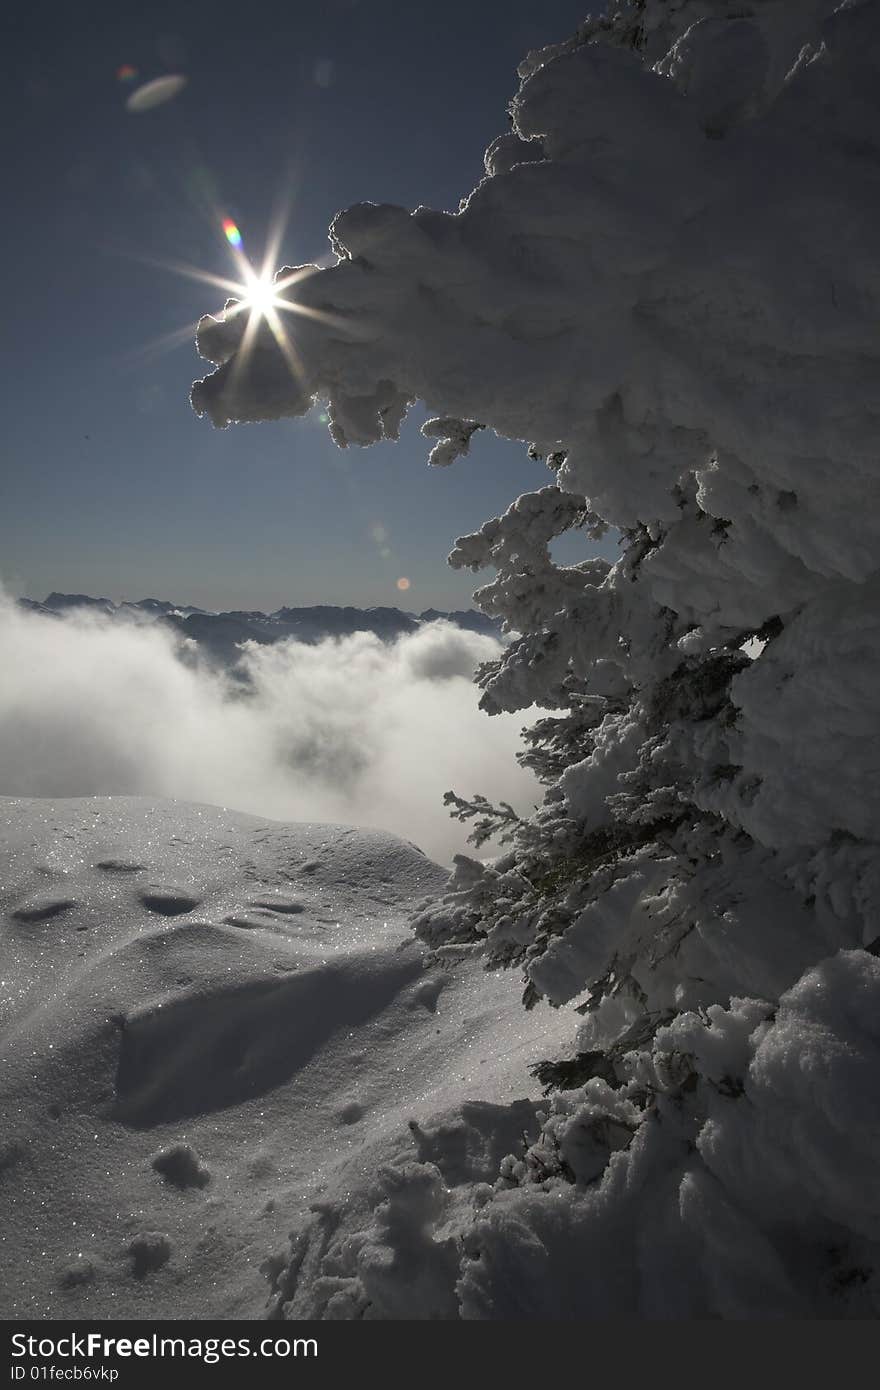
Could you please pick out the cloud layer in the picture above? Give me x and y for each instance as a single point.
(353, 730)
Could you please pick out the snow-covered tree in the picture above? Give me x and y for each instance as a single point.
(667, 285)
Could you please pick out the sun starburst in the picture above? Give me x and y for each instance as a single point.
(271, 299)
(265, 299)
(255, 292)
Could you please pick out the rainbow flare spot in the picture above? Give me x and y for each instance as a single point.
(231, 232)
(126, 73)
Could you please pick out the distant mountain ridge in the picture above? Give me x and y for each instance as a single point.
(221, 633)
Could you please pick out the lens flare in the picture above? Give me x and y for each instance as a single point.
(403, 584)
(231, 232)
(155, 93)
(126, 73)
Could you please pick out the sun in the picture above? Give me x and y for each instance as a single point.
(260, 295)
(266, 304)
(261, 299)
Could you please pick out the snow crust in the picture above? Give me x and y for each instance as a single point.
(214, 1028)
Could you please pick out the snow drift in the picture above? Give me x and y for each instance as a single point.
(213, 1024)
(667, 283)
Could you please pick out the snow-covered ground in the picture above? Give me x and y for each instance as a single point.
(215, 1031)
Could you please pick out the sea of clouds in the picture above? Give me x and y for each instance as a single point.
(352, 730)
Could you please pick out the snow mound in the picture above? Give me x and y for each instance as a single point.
(211, 1022)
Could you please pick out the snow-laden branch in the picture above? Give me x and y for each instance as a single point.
(668, 284)
(659, 304)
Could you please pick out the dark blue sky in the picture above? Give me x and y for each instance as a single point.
(109, 483)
